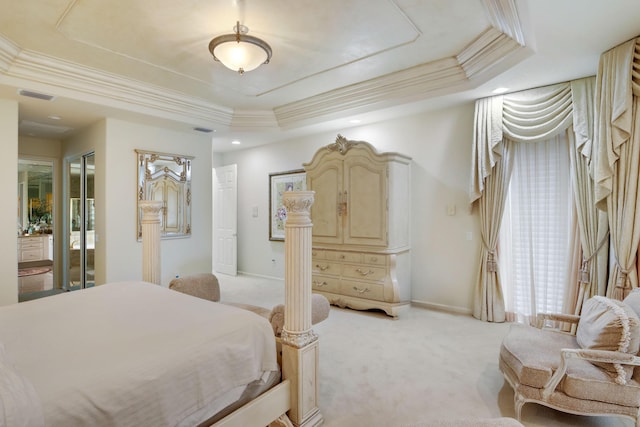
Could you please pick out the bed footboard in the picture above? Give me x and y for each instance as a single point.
(269, 409)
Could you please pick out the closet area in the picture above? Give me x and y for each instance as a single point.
(361, 229)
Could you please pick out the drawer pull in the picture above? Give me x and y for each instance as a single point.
(342, 257)
(322, 267)
(364, 273)
(374, 258)
(319, 284)
(361, 290)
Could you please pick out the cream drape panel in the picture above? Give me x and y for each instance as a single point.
(592, 222)
(527, 116)
(492, 171)
(618, 159)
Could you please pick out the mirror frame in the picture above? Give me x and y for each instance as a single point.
(169, 169)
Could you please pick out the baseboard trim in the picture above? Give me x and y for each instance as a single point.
(441, 307)
(263, 276)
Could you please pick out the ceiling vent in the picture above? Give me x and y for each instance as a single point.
(34, 128)
(36, 95)
(204, 130)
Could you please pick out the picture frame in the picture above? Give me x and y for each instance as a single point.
(295, 180)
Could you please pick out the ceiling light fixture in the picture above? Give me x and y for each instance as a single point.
(240, 52)
(500, 90)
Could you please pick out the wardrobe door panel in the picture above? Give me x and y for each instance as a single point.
(366, 186)
(326, 212)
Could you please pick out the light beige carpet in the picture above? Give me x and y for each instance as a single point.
(428, 366)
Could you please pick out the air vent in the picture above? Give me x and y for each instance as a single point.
(204, 130)
(28, 127)
(36, 95)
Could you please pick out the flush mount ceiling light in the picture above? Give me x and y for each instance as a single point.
(240, 52)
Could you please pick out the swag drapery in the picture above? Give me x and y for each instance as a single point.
(531, 116)
(617, 159)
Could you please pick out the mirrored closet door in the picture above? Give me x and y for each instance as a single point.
(81, 222)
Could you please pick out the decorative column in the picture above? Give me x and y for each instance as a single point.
(299, 342)
(151, 240)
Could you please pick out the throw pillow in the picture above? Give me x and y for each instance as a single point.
(607, 324)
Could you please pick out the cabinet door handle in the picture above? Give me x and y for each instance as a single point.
(322, 267)
(364, 273)
(361, 290)
(319, 284)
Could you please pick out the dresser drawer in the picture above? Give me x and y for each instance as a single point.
(30, 255)
(365, 272)
(27, 243)
(344, 256)
(326, 284)
(317, 254)
(363, 290)
(375, 259)
(326, 267)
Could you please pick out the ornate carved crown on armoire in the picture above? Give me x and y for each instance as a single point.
(361, 226)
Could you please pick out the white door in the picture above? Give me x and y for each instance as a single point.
(225, 220)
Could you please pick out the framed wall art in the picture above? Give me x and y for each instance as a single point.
(167, 178)
(279, 183)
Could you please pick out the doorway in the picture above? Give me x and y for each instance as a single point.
(80, 272)
(35, 227)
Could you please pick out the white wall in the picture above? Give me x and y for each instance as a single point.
(9, 192)
(123, 253)
(444, 262)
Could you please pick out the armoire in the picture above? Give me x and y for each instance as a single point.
(361, 236)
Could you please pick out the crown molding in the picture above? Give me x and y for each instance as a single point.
(439, 76)
(503, 15)
(94, 85)
(486, 51)
(253, 120)
(8, 53)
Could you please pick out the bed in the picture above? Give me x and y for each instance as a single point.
(103, 357)
(138, 354)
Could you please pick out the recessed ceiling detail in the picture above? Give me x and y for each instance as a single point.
(324, 66)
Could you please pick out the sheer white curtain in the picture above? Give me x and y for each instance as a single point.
(537, 253)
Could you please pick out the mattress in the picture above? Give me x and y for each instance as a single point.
(128, 354)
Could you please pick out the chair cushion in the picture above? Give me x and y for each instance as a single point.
(588, 382)
(633, 300)
(534, 354)
(607, 324)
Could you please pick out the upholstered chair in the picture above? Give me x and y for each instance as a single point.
(592, 372)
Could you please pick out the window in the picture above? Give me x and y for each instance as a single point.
(537, 232)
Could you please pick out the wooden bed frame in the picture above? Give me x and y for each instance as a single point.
(294, 401)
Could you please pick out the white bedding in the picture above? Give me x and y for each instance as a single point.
(128, 354)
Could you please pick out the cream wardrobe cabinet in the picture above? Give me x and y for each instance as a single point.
(361, 226)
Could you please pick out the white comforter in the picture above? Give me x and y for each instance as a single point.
(127, 354)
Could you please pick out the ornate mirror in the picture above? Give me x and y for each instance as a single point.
(166, 178)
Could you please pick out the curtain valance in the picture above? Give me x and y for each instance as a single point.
(537, 114)
(527, 116)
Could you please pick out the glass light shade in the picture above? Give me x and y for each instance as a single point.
(240, 56)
